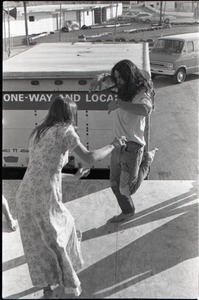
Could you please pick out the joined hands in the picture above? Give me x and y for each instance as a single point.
(119, 142)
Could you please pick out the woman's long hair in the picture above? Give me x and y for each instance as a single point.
(134, 78)
(62, 110)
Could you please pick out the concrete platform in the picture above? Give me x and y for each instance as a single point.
(154, 255)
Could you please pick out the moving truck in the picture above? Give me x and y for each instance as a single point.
(33, 78)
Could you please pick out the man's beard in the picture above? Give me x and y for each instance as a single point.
(122, 93)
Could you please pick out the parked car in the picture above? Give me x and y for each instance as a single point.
(130, 13)
(126, 17)
(155, 18)
(70, 26)
(138, 16)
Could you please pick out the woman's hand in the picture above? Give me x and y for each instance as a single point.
(119, 142)
(82, 172)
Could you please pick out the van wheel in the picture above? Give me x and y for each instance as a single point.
(179, 76)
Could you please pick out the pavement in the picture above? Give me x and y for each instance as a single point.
(154, 255)
(14, 51)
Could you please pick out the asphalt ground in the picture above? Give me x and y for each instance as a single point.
(154, 255)
(118, 33)
(188, 25)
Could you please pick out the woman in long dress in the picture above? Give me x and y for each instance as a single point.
(47, 228)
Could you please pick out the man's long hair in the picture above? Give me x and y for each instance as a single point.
(62, 110)
(134, 78)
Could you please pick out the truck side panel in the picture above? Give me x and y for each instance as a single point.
(32, 79)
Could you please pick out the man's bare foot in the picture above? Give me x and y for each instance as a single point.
(48, 292)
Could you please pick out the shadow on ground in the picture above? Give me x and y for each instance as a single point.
(149, 255)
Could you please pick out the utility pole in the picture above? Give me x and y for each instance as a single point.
(160, 23)
(5, 37)
(26, 23)
(115, 23)
(60, 23)
(9, 46)
(197, 11)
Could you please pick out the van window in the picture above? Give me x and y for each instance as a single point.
(190, 47)
(167, 46)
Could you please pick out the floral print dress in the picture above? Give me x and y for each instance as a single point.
(47, 228)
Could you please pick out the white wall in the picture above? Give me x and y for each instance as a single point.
(69, 15)
(109, 13)
(41, 24)
(118, 9)
(86, 18)
(170, 5)
(17, 28)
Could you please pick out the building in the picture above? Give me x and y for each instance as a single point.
(46, 18)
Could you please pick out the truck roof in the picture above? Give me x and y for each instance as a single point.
(71, 60)
(184, 36)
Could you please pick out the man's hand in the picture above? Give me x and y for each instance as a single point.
(96, 82)
(112, 105)
(99, 80)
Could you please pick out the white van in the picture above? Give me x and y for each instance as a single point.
(176, 56)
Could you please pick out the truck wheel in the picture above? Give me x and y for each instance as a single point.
(179, 76)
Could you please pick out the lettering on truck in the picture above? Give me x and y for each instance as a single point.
(42, 100)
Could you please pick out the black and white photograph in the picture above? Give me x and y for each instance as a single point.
(100, 149)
